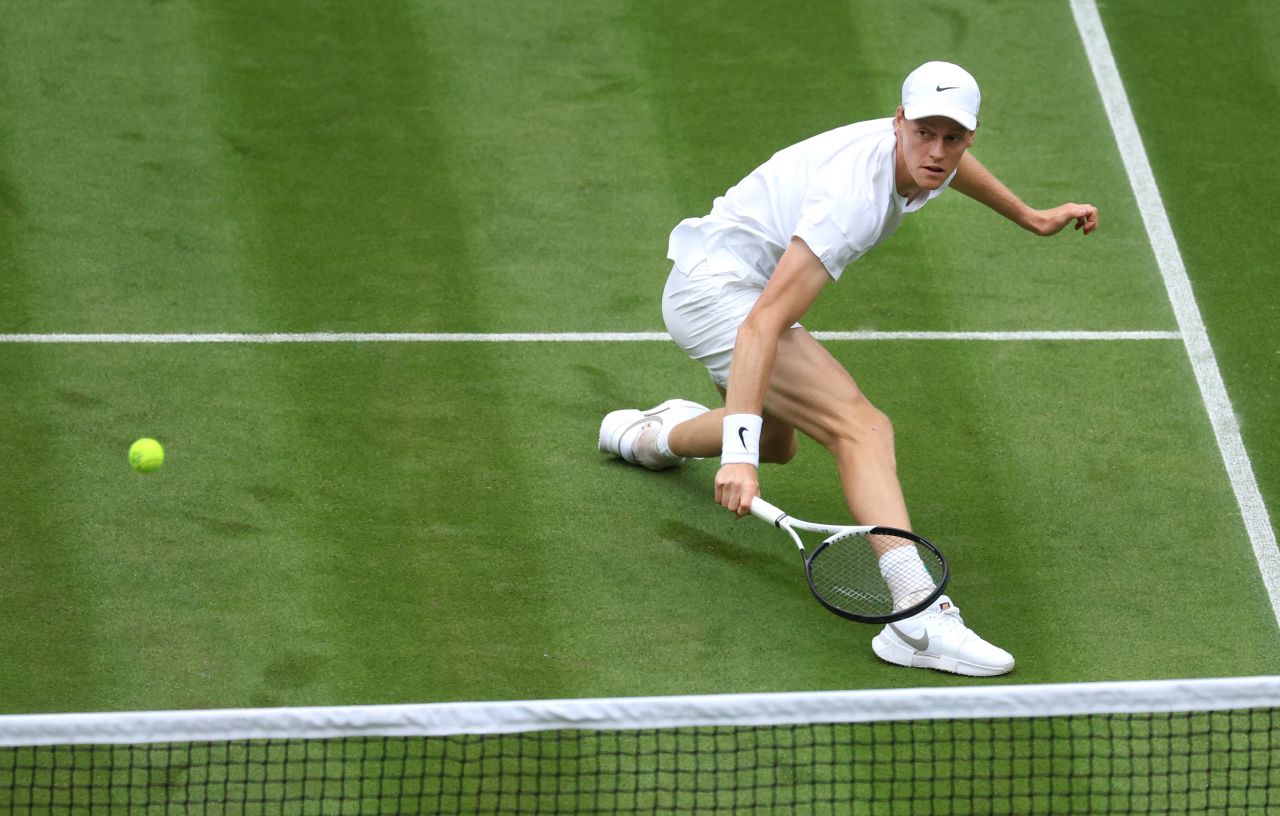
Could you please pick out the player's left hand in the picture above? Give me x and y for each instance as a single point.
(1051, 222)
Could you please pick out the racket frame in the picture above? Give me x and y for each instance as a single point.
(767, 512)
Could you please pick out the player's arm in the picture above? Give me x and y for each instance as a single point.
(977, 182)
(794, 286)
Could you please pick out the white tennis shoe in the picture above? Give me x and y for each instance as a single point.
(938, 639)
(633, 434)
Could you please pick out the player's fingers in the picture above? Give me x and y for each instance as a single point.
(1085, 216)
(1091, 220)
(748, 491)
(732, 498)
(728, 499)
(727, 495)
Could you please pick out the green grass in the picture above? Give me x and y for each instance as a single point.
(324, 530)
(389, 523)
(1204, 154)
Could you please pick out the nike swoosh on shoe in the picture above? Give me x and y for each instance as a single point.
(920, 644)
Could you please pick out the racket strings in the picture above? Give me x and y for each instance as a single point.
(904, 570)
(874, 575)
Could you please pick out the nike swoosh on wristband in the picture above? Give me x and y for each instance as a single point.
(742, 434)
(940, 89)
(920, 644)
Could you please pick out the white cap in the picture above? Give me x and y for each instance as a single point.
(942, 89)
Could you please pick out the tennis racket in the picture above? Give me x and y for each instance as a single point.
(848, 575)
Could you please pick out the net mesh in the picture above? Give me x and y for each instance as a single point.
(1165, 762)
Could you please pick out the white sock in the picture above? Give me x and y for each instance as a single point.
(908, 579)
(662, 442)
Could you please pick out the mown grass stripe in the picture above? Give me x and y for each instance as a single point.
(563, 337)
(1194, 335)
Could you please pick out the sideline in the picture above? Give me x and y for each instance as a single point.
(1191, 326)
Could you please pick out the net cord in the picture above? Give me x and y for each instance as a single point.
(630, 713)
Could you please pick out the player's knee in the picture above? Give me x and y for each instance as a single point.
(860, 426)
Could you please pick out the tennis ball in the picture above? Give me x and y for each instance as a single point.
(146, 455)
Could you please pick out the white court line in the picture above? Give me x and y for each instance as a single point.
(1212, 390)
(562, 337)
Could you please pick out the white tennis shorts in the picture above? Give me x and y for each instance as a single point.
(703, 309)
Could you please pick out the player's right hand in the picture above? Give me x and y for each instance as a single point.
(736, 486)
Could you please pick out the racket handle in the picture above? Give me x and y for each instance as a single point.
(764, 511)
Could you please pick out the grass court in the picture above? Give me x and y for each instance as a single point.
(382, 522)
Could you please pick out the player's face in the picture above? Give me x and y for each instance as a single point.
(929, 150)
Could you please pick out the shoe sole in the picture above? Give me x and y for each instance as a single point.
(901, 655)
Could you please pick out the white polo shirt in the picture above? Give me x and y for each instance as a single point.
(835, 191)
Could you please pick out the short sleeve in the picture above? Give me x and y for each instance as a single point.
(837, 234)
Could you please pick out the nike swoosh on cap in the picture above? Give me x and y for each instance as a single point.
(940, 89)
(920, 644)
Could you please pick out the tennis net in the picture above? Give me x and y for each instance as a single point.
(1204, 746)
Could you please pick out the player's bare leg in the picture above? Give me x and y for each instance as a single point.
(702, 436)
(811, 391)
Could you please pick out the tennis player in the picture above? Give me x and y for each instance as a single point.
(745, 274)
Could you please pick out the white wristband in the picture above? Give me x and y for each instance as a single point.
(741, 441)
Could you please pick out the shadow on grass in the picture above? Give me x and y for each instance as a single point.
(762, 563)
